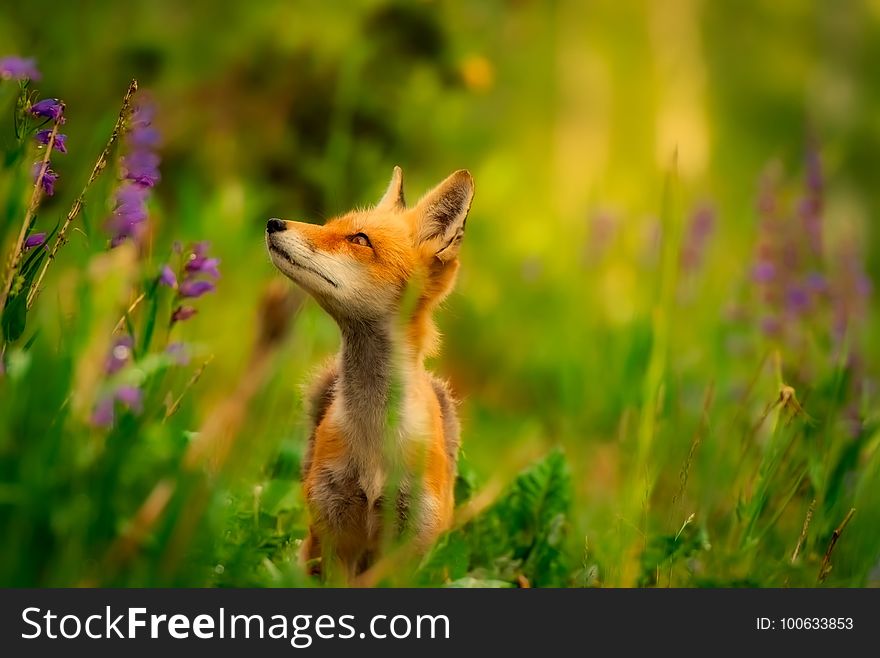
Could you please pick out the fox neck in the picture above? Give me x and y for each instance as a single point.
(373, 373)
(373, 377)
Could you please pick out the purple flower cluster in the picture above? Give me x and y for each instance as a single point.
(198, 275)
(786, 270)
(129, 396)
(50, 109)
(795, 278)
(850, 290)
(140, 173)
(699, 231)
(812, 202)
(18, 68)
(809, 288)
(141, 163)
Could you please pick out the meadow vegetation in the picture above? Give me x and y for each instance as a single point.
(661, 336)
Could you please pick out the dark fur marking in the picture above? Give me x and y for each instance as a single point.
(342, 508)
(451, 427)
(447, 209)
(401, 200)
(339, 500)
(365, 372)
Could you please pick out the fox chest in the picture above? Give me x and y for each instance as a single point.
(342, 506)
(346, 490)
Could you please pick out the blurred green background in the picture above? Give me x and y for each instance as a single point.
(606, 304)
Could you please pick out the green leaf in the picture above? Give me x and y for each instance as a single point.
(473, 583)
(448, 560)
(15, 316)
(466, 480)
(152, 311)
(524, 532)
(31, 340)
(280, 496)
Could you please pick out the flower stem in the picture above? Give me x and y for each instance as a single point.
(134, 305)
(100, 165)
(36, 197)
(173, 407)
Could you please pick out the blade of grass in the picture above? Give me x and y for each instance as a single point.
(825, 569)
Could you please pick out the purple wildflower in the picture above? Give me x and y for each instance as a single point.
(18, 68)
(851, 289)
(120, 354)
(142, 117)
(801, 288)
(771, 325)
(199, 263)
(130, 199)
(130, 213)
(47, 181)
(813, 200)
(141, 167)
(210, 267)
(34, 240)
(198, 251)
(797, 299)
(816, 283)
(700, 230)
(50, 108)
(763, 271)
(863, 286)
(102, 415)
(196, 264)
(182, 313)
(167, 278)
(140, 172)
(193, 289)
(145, 137)
(771, 271)
(130, 397)
(141, 164)
(60, 143)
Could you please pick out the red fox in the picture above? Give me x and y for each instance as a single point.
(383, 426)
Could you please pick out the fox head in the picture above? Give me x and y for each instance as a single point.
(358, 265)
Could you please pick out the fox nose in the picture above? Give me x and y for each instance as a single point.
(274, 225)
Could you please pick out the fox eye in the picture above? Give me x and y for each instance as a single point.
(361, 239)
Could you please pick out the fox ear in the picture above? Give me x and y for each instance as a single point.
(442, 214)
(393, 197)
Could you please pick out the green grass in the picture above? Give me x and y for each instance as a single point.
(630, 417)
